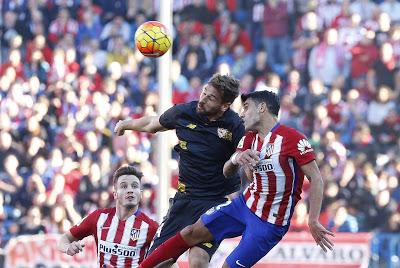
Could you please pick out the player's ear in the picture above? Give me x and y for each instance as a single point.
(262, 107)
(225, 106)
(115, 192)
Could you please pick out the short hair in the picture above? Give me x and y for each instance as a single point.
(126, 170)
(227, 85)
(270, 98)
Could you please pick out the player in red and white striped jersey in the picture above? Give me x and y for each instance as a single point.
(122, 233)
(277, 177)
(275, 159)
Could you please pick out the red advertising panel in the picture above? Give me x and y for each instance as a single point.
(296, 250)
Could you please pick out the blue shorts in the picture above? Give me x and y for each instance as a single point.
(234, 218)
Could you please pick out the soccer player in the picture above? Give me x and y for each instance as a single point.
(122, 233)
(208, 132)
(278, 157)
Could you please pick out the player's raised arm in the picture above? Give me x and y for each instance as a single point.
(150, 124)
(318, 231)
(69, 245)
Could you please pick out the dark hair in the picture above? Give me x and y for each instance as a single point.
(227, 85)
(126, 170)
(268, 97)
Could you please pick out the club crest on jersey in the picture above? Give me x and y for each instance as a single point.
(304, 146)
(225, 134)
(269, 150)
(135, 234)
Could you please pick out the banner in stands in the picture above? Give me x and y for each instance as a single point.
(40, 251)
(295, 250)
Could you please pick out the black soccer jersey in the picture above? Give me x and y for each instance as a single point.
(204, 146)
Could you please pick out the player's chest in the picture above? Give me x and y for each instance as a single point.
(218, 136)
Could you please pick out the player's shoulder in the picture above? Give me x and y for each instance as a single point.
(232, 117)
(247, 140)
(289, 132)
(152, 223)
(100, 211)
(188, 107)
(250, 135)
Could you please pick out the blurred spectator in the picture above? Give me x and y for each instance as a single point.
(62, 25)
(323, 55)
(343, 221)
(365, 8)
(392, 8)
(276, 33)
(384, 71)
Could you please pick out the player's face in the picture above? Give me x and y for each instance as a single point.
(127, 191)
(250, 115)
(210, 102)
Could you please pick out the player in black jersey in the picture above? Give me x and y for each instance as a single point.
(208, 132)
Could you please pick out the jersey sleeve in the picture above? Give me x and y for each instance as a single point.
(300, 148)
(246, 142)
(152, 231)
(85, 227)
(169, 117)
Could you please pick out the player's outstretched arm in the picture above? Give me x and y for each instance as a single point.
(150, 124)
(319, 233)
(69, 245)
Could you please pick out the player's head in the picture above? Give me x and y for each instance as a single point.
(217, 95)
(258, 106)
(127, 186)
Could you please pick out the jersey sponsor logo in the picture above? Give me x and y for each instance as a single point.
(135, 234)
(191, 126)
(304, 146)
(241, 143)
(117, 249)
(225, 134)
(264, 165)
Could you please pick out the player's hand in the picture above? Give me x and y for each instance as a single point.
(75, 247)
(120, 127)
(248, 158)
(319, 234)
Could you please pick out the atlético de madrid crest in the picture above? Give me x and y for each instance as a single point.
(135, 234)
(269, 150)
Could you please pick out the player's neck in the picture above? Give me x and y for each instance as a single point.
(266, 126)
(215, 117)
(123, 213)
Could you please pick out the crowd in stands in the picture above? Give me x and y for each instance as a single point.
(69, 71)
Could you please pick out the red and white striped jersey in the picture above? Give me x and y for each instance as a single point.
(120, 243)
(277, 178)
